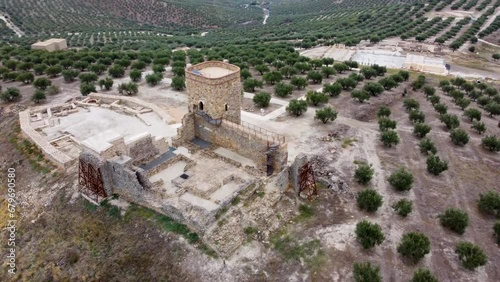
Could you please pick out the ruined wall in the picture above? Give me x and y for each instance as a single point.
(299, 162)
(142, 150)
(186, 132)
(127, 182)
(233, 139)
(215, 93)
(50, 152)
(99, 163)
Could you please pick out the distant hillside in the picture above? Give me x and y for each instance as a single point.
(42, 17)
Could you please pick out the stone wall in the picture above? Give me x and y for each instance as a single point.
(142, 149)
(186, 132)
(215, 93)
(133, 102)
(233, 139)
(50, 152)
(298, 163)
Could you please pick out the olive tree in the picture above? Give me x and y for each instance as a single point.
(455, 220)
(262, 99)
(470, 255)
(369, 200)
(401, 180)
(414, 246)
(369, 234)
(326, 114)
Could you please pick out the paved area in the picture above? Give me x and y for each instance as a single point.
(97, 121)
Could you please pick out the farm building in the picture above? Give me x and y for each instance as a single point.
(53, 44)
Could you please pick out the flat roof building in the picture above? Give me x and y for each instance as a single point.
(53, 44)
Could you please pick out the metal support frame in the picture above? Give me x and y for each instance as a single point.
(307, 181)
(90, 181)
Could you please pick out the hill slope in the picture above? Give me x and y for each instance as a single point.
(38, 17)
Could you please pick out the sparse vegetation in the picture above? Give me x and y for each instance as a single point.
(364, 272)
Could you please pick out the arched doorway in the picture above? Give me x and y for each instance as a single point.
(201, 106)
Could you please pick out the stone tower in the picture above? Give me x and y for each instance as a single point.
(214, 89)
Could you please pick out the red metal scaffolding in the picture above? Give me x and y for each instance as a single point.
(90, 181)
(307, 181)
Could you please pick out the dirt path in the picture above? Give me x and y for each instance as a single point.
(11, 25)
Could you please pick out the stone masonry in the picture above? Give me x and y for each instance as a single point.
(218, 97)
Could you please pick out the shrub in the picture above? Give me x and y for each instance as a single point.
(360, 95)
(364, 173)
(116, 71)
(489, 203)
(38, 96)
(434, 99)
(459, 137)
(491, 143)
(423, 275)
(493, 108)
(178, 83)
(10, 95)
(417, 116)
(421, 129)
(414, 246)
(262, 99)
(383, 111)
(128, 88)
(42, 83)
(496, 230)
(389, 138)
(250, 84)
(473, 114)
(369, 200)
(374, 88)
(283, 89)
(154, 78)
(366, 272)
(411, 104)
(427, 146)
(451, 121)
(455, 219)
(470, 255)
(403, 207)
(298, 82)
(135, 75)
(480, 127)
(369, 234)
(316, 98)
(315, 76)
(333, 89)
(53, 90)
(297, 107)
(386, 124)
(326, 114)
(272, 77)
(441, 108)
(70, 75)
(106, 83)
(435, 165)
(87, 88)
(401, 180)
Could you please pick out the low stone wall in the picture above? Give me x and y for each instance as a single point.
(163, 166)
(50, 152)
(106, 98)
